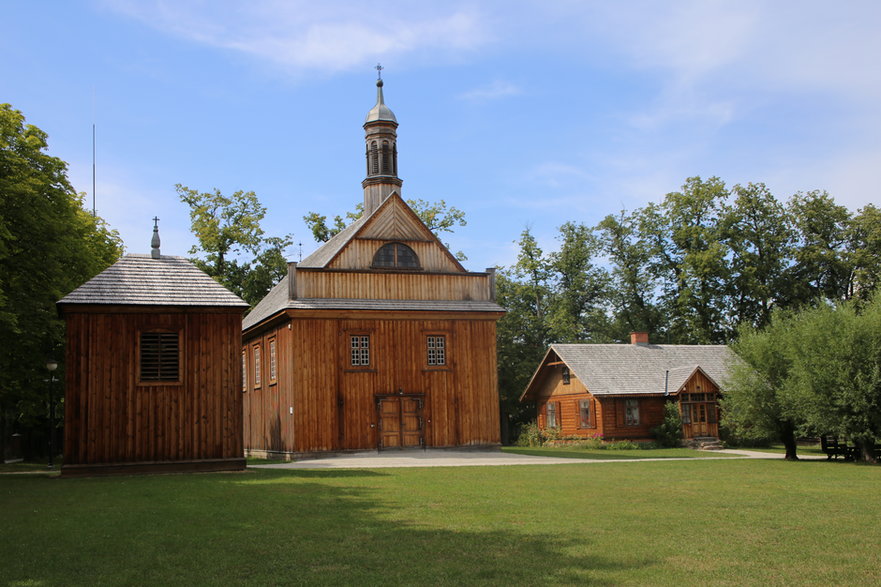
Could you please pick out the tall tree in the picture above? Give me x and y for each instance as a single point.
(689, 255)
(754, 406)
(821, 269)
(864, 252)
(49, 245)
(236, 252)
(759, 236)
(633, 292)
(577, 311)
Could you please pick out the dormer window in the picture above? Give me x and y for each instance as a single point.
(395, 256)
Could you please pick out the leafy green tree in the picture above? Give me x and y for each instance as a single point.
(864, 252)
(690, 258)
(236, 252)
(755, 406)
(633, 291)
(578, 301)
(820, 267)
(835, 377)
(759, 236)
(49, 245)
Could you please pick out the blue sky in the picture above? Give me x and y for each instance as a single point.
(519, 113)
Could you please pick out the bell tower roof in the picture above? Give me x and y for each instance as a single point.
(380, 112)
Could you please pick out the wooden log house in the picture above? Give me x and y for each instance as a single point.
(618, 391)
(378, 339)
(153, 370)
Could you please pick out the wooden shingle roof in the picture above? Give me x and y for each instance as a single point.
(144, 281)
(637, 369)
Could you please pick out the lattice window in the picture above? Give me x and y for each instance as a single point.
(584, 413)
(437, 350)
(273, 362)
(160, 356)
(257, 369)
(631, 412)
(396, 256)
(359, 346)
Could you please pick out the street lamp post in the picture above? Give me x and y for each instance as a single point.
(51, 366)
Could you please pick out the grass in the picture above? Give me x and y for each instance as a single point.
(807, 450)
(611, 454)
(721, 522)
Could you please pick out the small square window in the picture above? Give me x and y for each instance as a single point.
(359, 348)
(436, 347)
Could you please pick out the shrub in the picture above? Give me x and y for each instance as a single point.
(622, 445)
(669, 433)
(530, 435)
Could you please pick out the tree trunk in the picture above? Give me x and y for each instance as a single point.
(866, 447)
(787, 435)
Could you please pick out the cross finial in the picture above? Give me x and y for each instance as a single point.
(154, 243)
(378, 69)
(155, 222)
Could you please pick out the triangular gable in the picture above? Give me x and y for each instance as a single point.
(678, 377)
(534, 380)
(393, 220)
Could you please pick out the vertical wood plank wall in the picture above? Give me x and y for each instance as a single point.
(111, 418)
(334, 404)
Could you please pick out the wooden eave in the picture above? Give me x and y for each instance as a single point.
(145, 309)
(354, 314)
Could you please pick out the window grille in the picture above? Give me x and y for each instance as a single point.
(360, 350)
(437, 350)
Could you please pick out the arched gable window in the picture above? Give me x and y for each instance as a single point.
(395, 256)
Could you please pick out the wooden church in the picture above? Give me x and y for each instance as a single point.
(153, 372)
(379, 339)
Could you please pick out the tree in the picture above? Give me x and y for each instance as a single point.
(633, 286)
(835, 380)
(864, 252)
(688, 255)
(578, 301)
(236, 252)
(754, 405)
(49, 245)
(820, 267)
(759, 236)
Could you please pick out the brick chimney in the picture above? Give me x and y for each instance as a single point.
(639, 338)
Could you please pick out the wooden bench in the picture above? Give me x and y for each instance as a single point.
(835, 448)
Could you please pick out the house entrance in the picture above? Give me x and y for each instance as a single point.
(400, 421)
(700, 415)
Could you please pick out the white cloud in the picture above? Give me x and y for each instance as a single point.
(308, 36)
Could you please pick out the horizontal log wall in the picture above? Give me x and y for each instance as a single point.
(112, 418)
(393, 286)
(334, 404)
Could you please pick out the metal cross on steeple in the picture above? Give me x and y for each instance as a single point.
(378, 69)
(154, 243)
(156, 222)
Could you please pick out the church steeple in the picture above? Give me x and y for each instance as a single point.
(380, 136)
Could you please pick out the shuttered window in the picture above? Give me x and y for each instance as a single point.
(584, 413)
(631, 412)
(552, 415)
(160, 356)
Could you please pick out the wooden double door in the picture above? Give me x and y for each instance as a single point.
(400, 421)
(700, 415)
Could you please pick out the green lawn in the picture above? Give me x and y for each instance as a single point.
(720, 522)
(611, 454)
(806, 450)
